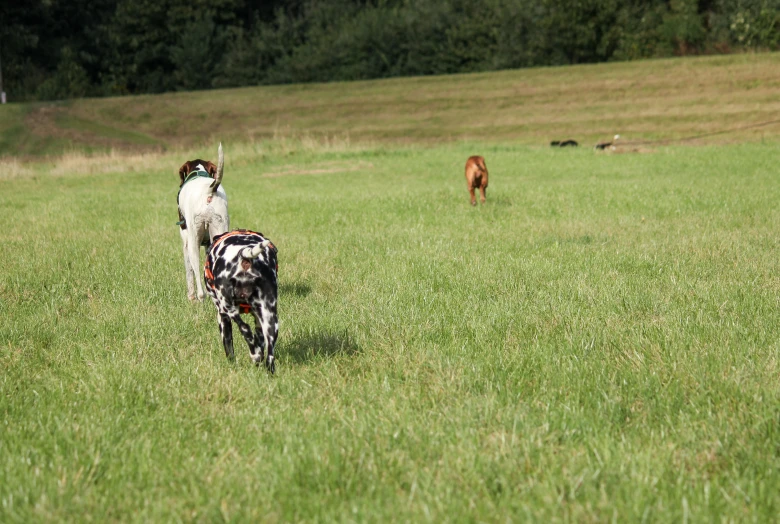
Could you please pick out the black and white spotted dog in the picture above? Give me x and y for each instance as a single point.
(241, 278)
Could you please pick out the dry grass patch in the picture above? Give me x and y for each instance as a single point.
(238, 155)
(13, 169)
(327, 168)
(115, 161)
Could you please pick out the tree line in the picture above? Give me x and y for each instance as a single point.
(55, 49)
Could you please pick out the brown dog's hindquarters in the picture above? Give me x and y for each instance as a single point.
(476, 178)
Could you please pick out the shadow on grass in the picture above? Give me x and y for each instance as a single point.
(298, 289)
(309, 346)
(497, 201)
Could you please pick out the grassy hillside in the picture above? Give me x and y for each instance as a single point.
(659, 99)
(598, 342)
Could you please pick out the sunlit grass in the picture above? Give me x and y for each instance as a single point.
(599, 341)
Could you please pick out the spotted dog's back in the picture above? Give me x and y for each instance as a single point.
(241, 277)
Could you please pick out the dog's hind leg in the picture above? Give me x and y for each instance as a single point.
(249, 336)
(193, 247)
(473, 197)
(226, 332)
(191, 275)
(267, 327)
(217, 227)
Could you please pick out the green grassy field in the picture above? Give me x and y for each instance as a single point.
(597, 342)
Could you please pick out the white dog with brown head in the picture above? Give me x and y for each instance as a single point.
(203, 214)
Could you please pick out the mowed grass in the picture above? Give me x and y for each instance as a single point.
(650, 100)
(597, 342)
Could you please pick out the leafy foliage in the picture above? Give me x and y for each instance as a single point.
(59, 49)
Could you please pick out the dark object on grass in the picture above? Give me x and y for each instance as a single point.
(607, 145)
(565, 143)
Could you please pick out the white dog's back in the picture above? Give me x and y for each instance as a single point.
(203, 208)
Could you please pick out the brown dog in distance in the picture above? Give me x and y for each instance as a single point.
(476, 177)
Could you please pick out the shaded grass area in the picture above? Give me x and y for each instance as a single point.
(18, 138)
(599, 341)
(665, 99)
(102, 131)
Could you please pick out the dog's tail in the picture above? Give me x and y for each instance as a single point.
(220, 169)
(254, 252)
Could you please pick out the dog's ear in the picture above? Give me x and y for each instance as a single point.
(211, 169)
(184, 170)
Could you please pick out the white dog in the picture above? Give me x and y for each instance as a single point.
(203, 214)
